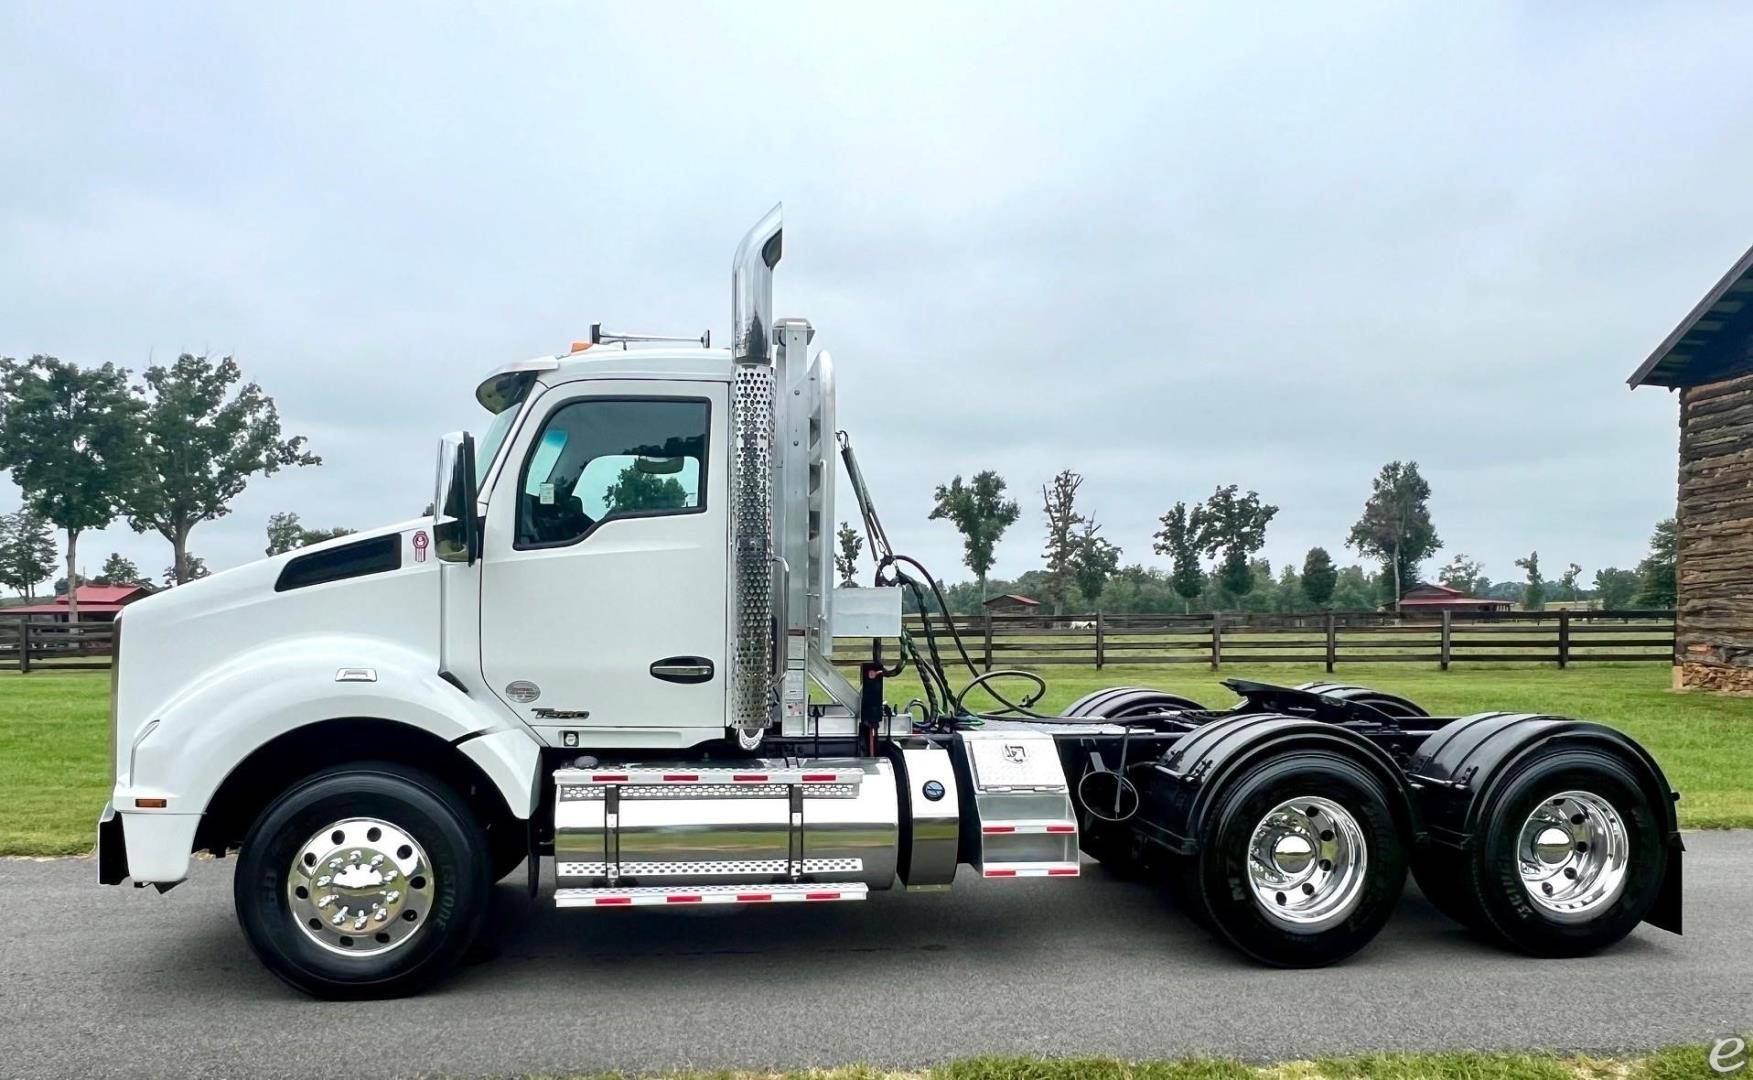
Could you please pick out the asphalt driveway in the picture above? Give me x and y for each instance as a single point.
(123, 982)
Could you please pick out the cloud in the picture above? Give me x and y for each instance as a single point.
(1170, 248)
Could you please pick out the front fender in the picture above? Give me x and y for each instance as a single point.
(189, 747)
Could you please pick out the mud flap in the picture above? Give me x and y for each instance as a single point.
(1665, 915)
(112, 848)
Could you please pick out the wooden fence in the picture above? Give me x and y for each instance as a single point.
(1326, 638)
(1000, 641)
(26, 644)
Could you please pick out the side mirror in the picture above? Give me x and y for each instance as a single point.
(456, 530)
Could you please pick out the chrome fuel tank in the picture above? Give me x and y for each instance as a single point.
(761, 821)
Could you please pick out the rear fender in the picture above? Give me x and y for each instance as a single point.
(1182, 789)
(1459, 769)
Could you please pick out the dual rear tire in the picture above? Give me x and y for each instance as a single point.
(1568, 857)
(1301, 861)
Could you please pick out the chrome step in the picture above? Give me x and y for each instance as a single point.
(1030, 869)
(649, 896)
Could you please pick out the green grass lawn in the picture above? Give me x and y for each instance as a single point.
(54, 735)
(1690, 1061)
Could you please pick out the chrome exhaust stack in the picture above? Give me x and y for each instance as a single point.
(751, 479)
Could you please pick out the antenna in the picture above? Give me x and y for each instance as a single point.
(599, 336)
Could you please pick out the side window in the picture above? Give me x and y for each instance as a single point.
(612, 458)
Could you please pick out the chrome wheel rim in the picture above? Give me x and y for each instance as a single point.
(1306, 863)
(360, 887)
(1573, 854)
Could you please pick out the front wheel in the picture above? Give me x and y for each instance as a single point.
(364, 881)
(1300, 862)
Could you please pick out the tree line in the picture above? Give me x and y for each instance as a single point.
(1212, 550)
(90, 445)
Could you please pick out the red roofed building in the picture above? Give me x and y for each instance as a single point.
(97, 603)
(1440, 598)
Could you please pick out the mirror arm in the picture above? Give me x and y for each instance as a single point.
(471, 496)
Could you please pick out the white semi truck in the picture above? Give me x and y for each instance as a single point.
(599, 651)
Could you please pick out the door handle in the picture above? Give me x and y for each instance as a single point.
(682, 669)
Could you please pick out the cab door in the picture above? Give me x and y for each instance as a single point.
(603, 570)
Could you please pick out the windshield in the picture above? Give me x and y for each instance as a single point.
(495, 436)
(504, 396)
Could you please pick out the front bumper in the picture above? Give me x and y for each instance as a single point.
(151, 847)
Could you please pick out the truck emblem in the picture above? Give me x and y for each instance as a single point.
(522, 691)
(420, 543)
(1016, 752)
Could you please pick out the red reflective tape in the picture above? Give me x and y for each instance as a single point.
(683, 898)
(750, 778)
(820, 777)
(990, 829)
(680, 776)
(609, 778)
(1069, 871)
(753, 897)
(602, 901)
(1001, 873)
(1061, 828)
(821, 896)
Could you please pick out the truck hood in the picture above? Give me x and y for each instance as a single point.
(176, 641)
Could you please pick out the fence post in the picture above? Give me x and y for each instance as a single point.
(986, 643)
(1216, 640)
(1448, 646)
(1332, 644)
(24, 643)
(1099, 657)
(1564, 638)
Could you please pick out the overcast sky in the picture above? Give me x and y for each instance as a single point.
(1166, 248)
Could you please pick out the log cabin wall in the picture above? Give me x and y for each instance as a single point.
(1714, 626)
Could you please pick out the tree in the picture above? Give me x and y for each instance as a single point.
(1534, 592)
(1094, 562)
(851, 546)
(1395, 526)
(1180, 543)
(1567, 581)
(317, 536)
(635, 490)
(1319, 577)
(1288, 593)
(1616, 588)
(118, 570)
(1356, 590)
(61, 586)
(981, 513)
(1059, 504)
(1231, 528)
(287, 533)
(1657, 581)
(284, 533)
(27, 551)
(70, 437)
(193, 569)
(202, 443)
(1464, 574)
